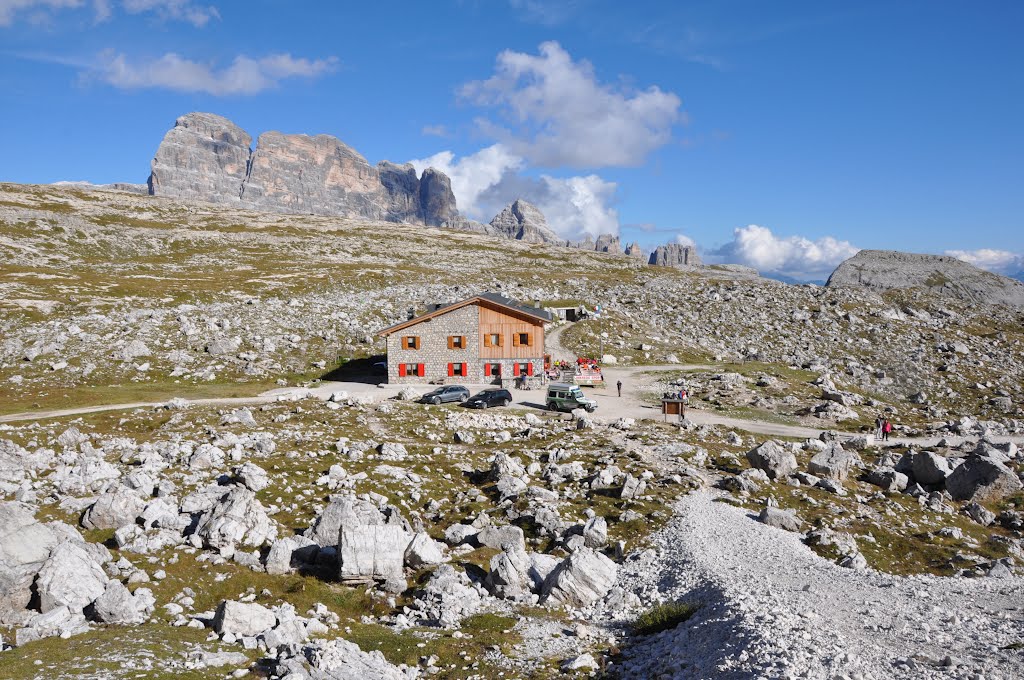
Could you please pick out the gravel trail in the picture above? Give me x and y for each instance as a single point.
(771, 608)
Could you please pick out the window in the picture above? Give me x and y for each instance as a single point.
(525, 368)
(410, 342)
(456, 342)
(492, 340)
(411, 369)
(492, 370)
(458, 370)
(521, 340)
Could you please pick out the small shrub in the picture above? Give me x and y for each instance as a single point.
(663, 617)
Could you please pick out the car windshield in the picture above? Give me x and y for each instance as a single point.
(577, 395)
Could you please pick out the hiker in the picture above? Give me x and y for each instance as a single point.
(879, 425)
(685, 396)
(619, 386)
(886, 430)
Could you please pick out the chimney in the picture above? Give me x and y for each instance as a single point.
(412, 313)
(536, 302)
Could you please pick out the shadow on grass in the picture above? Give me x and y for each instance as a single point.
(369, 370)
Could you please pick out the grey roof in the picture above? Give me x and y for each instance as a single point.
(525, 309)
(434, 310)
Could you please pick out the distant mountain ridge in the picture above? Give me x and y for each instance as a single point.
(207, 157)
(944, 275)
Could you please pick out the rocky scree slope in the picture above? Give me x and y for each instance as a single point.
(884, 270)
(106, 288)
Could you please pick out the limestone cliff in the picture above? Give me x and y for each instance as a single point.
(675, 255)
(206, 157)
(203, 157)
(524, 222)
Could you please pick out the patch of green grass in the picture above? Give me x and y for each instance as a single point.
(663, 617)
(458, 657)
(114, 652)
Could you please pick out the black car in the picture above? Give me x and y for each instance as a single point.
(445, 394)
(489, 398)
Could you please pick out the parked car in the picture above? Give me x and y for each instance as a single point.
(445, 394)
(489, 398)
(566, 397)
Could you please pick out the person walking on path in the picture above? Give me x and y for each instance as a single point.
(886, 430)
(879, 426)
(619, 386)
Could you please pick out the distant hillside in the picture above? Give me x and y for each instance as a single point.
(946, 276)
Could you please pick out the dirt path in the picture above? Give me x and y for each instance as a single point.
(610, 405)
(773, 608)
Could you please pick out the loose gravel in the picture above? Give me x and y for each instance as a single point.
(771, 608)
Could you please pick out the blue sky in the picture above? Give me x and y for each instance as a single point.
(781, 135)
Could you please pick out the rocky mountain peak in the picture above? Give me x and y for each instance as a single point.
(675, 255)
(524, 222)
(947, 276)
(203, 157)
(206, 157)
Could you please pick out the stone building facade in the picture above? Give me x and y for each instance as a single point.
(487, 339)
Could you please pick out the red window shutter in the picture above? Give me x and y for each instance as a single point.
(515, 369)
(401, 370)
(451, 370)
(419, 370)
(529, 368)
(463, 370)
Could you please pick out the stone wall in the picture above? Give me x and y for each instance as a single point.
(435, 355)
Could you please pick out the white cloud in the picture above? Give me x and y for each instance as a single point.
(577, 206)
(562, 116)
(435, 131)
(999, 261)
(245, 76)
(172, 10)
(177, 10)
(472, 175)
(684, 240)
(793, 256)
(9, 8)
(488, 180)
(546, 12)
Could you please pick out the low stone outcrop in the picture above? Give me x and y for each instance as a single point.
(948, 276)
(243, 618)
(368, 552)
(582, 578)
(834, 462)
(780, 519)
(776, 461)
(237, 519)
(982, 480)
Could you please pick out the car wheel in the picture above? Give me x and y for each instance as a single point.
(463, 398)
(436, 401)
(551, 406)
(505, 402)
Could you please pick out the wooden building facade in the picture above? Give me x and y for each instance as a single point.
(484, 339)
